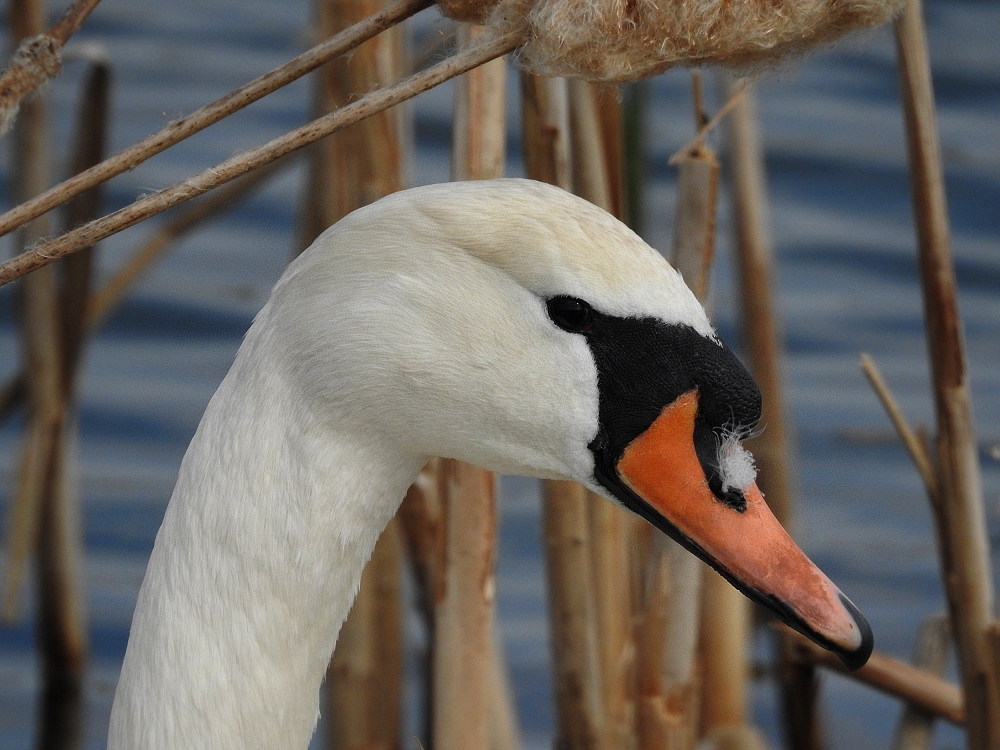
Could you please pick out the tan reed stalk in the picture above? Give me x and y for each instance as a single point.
(581, 720)
(62, 621)
(361, 693)
(470, 708)
(961, 525)
(669, 678)
(255, 158)
(725, 613)
(545, 124)
(40, 332)
(773, 449)
(580, 716)
(931, 655)
(612, 117)
(478, 125)
(914, 445)
(668, 672)
(463, 619)
(917, 687)
(610, 526)
(422, 518)
(352, 168)
(201, 118)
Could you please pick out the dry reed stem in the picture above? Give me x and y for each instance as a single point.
(919, 688)
(725, 634)
(773, 449)
(357, 165)
(577, 666)
(230, 169)
(62, 621)
(40, 332)
(961, 524)
(211, 113)
(478, 126)
(38, 59)
(914, 446)
(505, 730)
(471, 708)
(580, 715)
(695, 144)
(669, 681)
(363, 162)
(357, 680)
(931, 655)
(612, 114)
(725, 619)
(694, 220)
(545, 125)
(421, 516)
(669, 678)
(464, 612)
(610, 525)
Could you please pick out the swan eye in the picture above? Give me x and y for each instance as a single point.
(571, 314)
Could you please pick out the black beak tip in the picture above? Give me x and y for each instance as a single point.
(857, 658)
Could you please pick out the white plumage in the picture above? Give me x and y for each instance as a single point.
(414, 327)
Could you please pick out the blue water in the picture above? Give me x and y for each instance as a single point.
(846, 281)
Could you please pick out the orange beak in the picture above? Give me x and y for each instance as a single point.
(749, 547)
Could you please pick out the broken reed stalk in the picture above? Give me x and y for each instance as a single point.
(62, 620)
(917, 687)
(467, 712)
(610, 526)
(931, 655)
(144, 208)
(914, 445)
(40, 331)
(735, 95)
(961, 524)
(581, 721)
(772, 449)
(355, 166)
(38, 60)
(201, 118)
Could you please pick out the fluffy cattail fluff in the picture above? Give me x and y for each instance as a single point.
(622, 40)
(736, 467)
(36, 62)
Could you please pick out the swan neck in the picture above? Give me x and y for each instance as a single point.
(259, 557)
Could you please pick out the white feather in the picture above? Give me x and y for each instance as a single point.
(736, 465)
(414, 327)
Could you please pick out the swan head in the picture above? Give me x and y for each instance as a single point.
(512, 325)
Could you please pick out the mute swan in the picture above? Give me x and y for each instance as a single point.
(505, 323)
